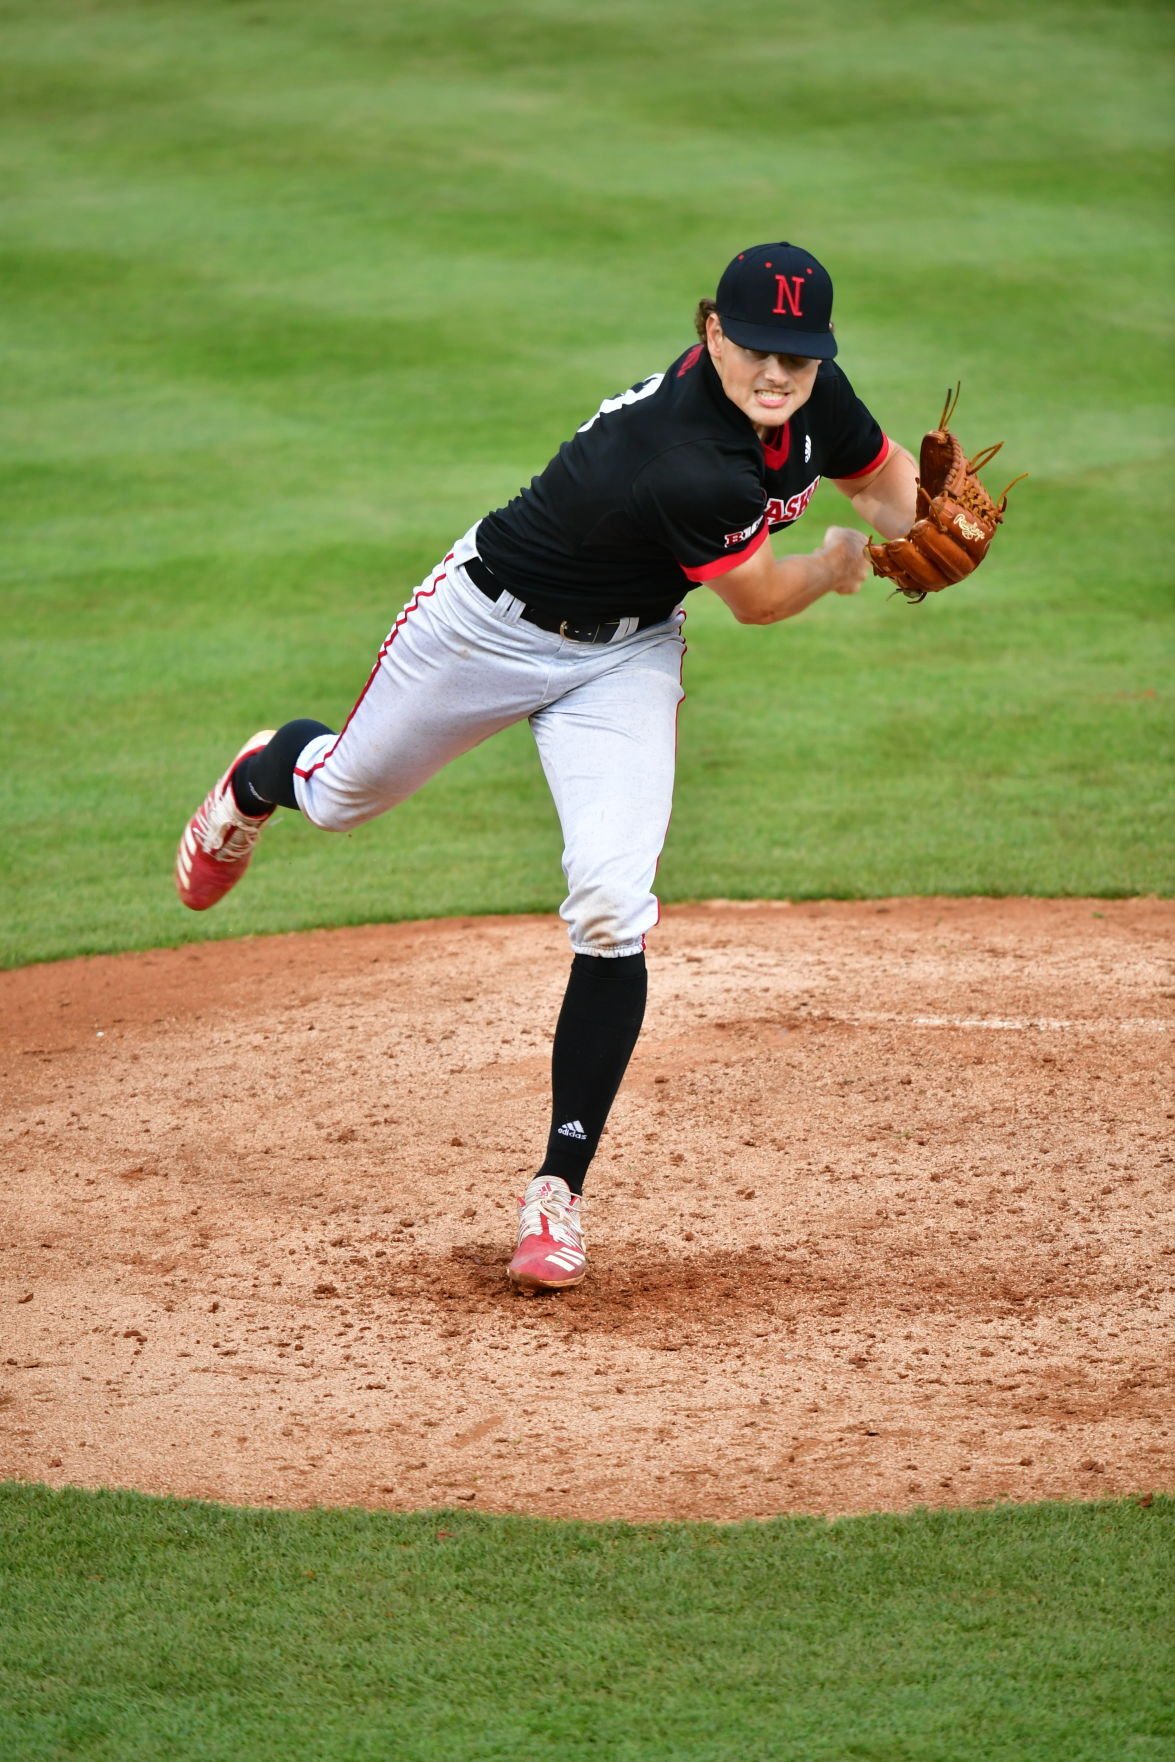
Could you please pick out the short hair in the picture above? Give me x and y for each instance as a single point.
(705, 307)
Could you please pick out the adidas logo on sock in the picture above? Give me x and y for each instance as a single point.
(573, 1129)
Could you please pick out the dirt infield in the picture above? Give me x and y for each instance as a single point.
(882, 1217)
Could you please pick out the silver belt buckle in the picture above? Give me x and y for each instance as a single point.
(586, 632)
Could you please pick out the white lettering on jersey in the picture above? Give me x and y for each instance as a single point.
(778, 511)
(633, 395)
(738, 538)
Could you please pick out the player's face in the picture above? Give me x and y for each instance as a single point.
(767, 388)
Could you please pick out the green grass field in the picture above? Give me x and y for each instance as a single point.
(147, 1628)
(292, 294)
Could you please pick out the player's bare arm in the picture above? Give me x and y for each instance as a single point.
(767, 589)
(885, 499)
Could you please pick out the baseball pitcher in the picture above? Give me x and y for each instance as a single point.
(565, 608)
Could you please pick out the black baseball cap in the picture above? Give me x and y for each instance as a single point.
(778, 298)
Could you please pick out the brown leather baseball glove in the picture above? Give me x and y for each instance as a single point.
(955, 520)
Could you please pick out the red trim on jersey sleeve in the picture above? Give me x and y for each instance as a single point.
(422, 593)
(883, 455)
(723, 565)
(691, 359)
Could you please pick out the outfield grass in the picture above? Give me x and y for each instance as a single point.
(143, 1628)
(294, 294)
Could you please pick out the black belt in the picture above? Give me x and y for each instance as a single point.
(482, 576)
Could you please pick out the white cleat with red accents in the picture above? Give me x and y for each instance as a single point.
(550, 1253)
(218, 840)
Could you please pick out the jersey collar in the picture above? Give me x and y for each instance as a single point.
(775, 453)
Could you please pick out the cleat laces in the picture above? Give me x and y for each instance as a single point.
(562, 1220)
(228, 834)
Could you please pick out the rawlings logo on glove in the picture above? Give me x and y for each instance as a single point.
(955, 519)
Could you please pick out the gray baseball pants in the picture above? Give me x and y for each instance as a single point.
(457, 667)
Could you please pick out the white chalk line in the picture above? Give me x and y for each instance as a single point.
(1009, 1024)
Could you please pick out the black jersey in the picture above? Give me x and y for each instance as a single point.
(666, 486)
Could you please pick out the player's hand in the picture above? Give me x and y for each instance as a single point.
(844, 549)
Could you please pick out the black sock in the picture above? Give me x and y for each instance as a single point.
(603, 1008)
(265, 779)
(245, 795)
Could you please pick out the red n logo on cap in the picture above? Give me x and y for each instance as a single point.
(788, 289)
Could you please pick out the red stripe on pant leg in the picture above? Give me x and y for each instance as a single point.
(676, 732)
(423, 593)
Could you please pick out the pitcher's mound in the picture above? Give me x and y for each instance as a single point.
(878, 1220)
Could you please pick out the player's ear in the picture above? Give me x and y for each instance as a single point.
(714, 334)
